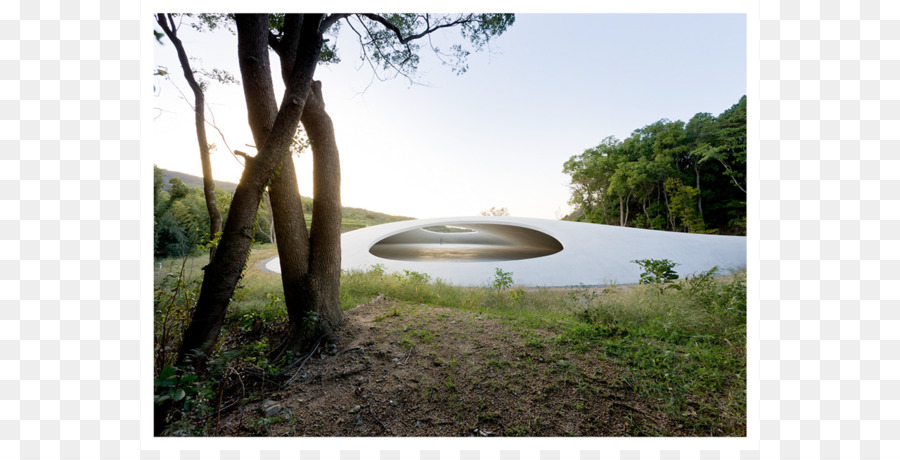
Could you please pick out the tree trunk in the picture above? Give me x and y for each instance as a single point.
(644, 205)
(621, 213)
(209, 186)
(293, 251)
(325, 231)
(290, 223)
(224, 271)
(670, 221)
(290, 231)
(699, 197)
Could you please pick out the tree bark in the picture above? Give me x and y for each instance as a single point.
(621, 213)
(699, 197)
(209, 186)
(224, 271)
(627, 200)
(325, 231)
(670, 220)
(290, 231)
(287, 210)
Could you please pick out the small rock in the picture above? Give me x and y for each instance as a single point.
(270, 409)
(354, 409)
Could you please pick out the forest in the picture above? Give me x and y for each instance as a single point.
(669, 175)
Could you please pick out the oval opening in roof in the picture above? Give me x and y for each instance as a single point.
(481, 243)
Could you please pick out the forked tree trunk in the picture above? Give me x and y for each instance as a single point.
(317, 291)
(290, 231)
(226, 268)
(302, 296)
(167, 24)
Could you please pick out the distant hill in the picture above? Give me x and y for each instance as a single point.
(353, 218)
(194, 181)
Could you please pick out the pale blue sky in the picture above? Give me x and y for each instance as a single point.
(498, 135)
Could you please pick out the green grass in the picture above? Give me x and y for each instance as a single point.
(685, 349)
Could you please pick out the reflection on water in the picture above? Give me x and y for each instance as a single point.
(458, 252)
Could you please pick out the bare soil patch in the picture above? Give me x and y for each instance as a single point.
(400, 369)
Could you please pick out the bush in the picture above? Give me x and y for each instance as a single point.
(658, 273)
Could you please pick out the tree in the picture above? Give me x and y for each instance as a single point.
(299, 41)
(495, 212)
(225, 269)
(645, 176)
(167, 23)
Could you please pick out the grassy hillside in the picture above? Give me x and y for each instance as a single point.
(353, 218)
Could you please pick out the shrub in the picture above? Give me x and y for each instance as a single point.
(658, 273)
(502, 280)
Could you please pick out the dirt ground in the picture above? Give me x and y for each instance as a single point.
(410, 370)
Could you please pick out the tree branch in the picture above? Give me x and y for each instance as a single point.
(330, 20)
(386, 59)
(428, 29)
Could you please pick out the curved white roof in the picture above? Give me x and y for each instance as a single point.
(591, 254)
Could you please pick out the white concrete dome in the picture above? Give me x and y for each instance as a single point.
(538, 252)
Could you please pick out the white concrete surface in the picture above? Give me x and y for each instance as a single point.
(591, 254)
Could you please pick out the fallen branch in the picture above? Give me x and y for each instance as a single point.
(308, 355)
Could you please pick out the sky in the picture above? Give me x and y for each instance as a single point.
(448, 145)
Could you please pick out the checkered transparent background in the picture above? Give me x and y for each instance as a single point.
(829, 225)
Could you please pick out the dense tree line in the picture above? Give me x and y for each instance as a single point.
(181, 218)
(669, 175)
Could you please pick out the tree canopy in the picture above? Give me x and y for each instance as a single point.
(668, 175)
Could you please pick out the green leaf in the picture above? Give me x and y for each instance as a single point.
(167, 372)
(163, 382)
(179, 394)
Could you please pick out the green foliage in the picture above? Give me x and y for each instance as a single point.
(393, 53)
(410, 277)
(180, 217)
(174, 297)
(683, 201)
(686, 349)
(189, 397)
(502, 280)
(256, 355)
(311, 320)
(658, 273)
(667, 176)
